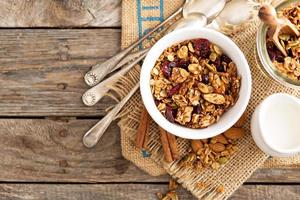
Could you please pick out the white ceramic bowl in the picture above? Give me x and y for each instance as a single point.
(231, 116)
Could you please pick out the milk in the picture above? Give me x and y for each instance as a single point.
(275, 125)
(281, 125)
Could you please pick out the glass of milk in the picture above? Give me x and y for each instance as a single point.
(275, 125)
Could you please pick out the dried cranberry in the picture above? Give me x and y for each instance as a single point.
(173, 90)
(225, 58)
(197, 109)
(156, 102)
(220, 68)
(205, 78)
(166, 70)
(172, 64)
(183, 64)
(274, 53)
(170, 113)
(202, 47)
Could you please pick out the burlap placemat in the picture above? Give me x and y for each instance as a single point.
(137, 18)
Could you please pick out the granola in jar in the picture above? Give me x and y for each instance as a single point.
(288, 66)
(194, 82)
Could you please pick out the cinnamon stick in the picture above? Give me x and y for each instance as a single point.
(173, 145)
(143, 129)
(166, 145)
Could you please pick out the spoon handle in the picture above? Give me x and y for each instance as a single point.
(95, 94)
(100, 70)
(91, 138)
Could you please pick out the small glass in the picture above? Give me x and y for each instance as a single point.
(266, 64)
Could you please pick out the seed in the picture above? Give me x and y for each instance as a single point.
(222, 160)
(234, 133)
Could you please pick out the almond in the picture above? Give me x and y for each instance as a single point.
(214, 98)
(218, 147)
(241, 121)
(234, 133)
(196, 145)
(220, 138)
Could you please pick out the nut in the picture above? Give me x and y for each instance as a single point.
(196, 145)
(220, 138)
(241, 121)
(217, 147)
(234, 133)
(214, 98)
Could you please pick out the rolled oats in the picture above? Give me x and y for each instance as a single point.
(194, 83)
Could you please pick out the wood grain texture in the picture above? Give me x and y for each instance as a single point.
(43, 150)
(52, 151)
(41, 70)
(60, 13)
(133, 192)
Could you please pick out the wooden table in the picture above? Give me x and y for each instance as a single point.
(46, 46)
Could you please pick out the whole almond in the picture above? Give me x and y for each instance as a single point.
(220, 138)
(241, 121)
(234, 133)
(218, 147)
(196, 145)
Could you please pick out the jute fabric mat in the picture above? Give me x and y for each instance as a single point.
(138, 16)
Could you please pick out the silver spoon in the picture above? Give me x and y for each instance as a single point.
(91, 138)
(100, 70)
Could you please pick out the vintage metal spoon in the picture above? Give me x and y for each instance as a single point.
(91, 138)
(268, 15)
(100, 70)
(95, 94)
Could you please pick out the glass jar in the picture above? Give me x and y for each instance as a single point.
(266, 64)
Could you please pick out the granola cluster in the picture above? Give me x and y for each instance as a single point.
(194, 83)
(213, 152)
(290, 65)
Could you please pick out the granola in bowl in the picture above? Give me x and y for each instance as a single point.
(288, 66)
(194, 83)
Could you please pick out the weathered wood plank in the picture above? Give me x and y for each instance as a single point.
(133, 191)
(47, 150)
(51, 151)
(41, 70)
(60, 13)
